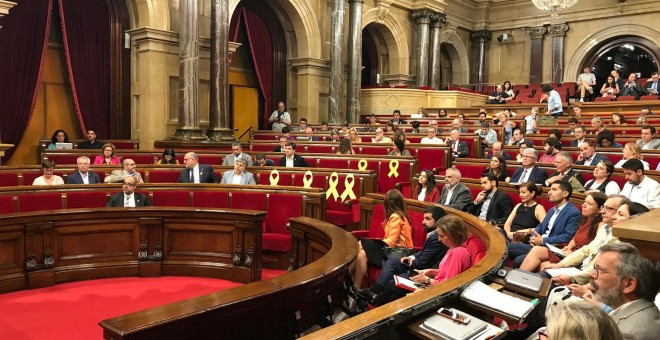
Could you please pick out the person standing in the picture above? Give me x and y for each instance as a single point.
(280, 118)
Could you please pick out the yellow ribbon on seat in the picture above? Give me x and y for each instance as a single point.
(332, 190)
(349, 182)
(274, 177)
(362, 164)
(307, 179)
(394, 166)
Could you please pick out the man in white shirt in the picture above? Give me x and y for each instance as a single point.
(431, 137)
(380, 137)
(128, 198)
(530, 121)
(648, 140)
(639, 187)
(487, 135)
(280, 118)
(238, 175)
(579, 132)
(585, 82)
(237, 153)
(588, 155)
(555, 106)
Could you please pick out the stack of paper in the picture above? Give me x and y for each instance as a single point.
(556, 250)
(480, 294)
(570, 271)
(453, 330)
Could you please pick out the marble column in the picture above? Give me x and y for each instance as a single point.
(480, 40)
(336, 62)
(354, 61)
(437, 21)
(188, 127)
(558, 32)
(219, 121)
(5, 6)
(536, 59)
(422, 19)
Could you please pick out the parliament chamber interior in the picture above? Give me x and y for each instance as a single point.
(479, 169)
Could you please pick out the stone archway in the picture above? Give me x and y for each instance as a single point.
(149, 13)
(393, 34)
(458, 55)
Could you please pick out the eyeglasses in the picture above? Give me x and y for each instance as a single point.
(598, 270)
(608, 208)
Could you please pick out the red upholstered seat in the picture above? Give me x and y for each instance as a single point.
(625, 98)
(375, 228)
(85, 199)
(163, 176)
(208, 159)
(210, 199)
(258, 147)
(128, 145)
(281, 207)
(143, 159)
(431, 158)
(6, 204)
(418, 233)
(248, 200)
(476, 248)
(9, 179)
(39, 202)
(336, 212)
(385, 182)
(470, 170)
(371, 165)
(28, 177)
(331, 163)
(602, 99)
(285, 179)
(545, 202)
(318, 181)
(320, 149)
(173, 198)
(374, 150)
(648, 97)
(65, 159)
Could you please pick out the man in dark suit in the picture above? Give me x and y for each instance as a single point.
(429, 257)
(128, 198)
(290, 159)
(396, 118)
(632, 87)
(529, 171)
(195, 172)
(491, 205)
(564, 172)
(498, 151)
(459, 148)
(653, 85)
(557, 230)
(588, 155)
(579, 132)
(280, 148)
(83, 175)
(455, 194)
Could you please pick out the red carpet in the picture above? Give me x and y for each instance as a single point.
(73, 310)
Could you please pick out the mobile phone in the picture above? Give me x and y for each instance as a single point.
(450, 314)
(406, 262)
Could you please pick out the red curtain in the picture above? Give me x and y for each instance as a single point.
(86, 33)
(23, 43)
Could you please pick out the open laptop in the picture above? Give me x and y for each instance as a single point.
(63, 146)
(525, 280)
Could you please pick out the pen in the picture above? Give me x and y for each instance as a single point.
(563, 281)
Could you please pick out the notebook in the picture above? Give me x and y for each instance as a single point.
(525, 280)
(451, 329)
(404, 283)
(556, 250)
(63, 146)
(481, 294)
(570, 271)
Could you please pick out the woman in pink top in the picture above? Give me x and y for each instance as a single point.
(453, 233)
(107, 155)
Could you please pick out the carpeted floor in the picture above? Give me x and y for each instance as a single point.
(73, 310)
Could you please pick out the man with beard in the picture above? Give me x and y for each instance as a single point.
(558, 226)
(454, 194)
(639, 187)
(491, 205)
(588, 155)
(552, 147)
(429, 257)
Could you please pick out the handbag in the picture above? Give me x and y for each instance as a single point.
(397, 252)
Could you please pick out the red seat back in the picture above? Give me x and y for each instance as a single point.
(85, 199)
(173, 198)
(163, 176)
(476, 248)
(430, 158)
(318, 181)
(377, 217)
(39, 202)
(337, 204)
(210, 199)
(285, 179)
(332, 163)
(6, 204)
(8, 179)
(281, 207)
(417, 224)
(648, 97)
(320, 149)
(248, 200)
(625, 98)
(143, 159)
(385, 182)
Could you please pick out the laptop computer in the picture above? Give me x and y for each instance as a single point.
(525, 280)
(63, 146)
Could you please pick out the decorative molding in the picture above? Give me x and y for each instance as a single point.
(383, 7)
(535, 32)
(448, 32)
(481, 36)
(5, 6)
(422, 16)
(438, 19)
(558, 30)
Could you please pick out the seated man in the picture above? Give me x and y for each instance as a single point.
(632, 87)
(282, 142)
(380, 137)
(558, 226)
(648, 140)
(83, 175)
(459, 148)
(517, 137)
(564, 172)
(429, 257)
(588, 155)
(585, 82)
(579, 133)
(302, 125)
(280, 118)
(366, 126)
(433, 125)
(482, 118)
(572, 123)
(128, 198)
(431, 138)
(498, 151)
(639, 187)
(396, 118)
(487, 135)
(455, 194)
(458, 124)
(652, 85)
(324, 126)
(605, 139)
(491, 205)
(290, 159)
(309, 135)
(237, 153)
(195, 172)
(415, 126)
(91, 142)
(263, 161)
(551, 146)
(238, 175)
(529, 171)
(531, 121)
(128, 170)
(498, 97)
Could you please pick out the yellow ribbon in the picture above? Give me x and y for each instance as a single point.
(332, 190)
(307, 179)
(348, 188)
(276, 178)
(362, 164)
(394, 166)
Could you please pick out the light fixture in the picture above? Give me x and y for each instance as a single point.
(554, 6)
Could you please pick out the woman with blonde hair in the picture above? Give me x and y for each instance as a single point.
(632, 150)
(354, 136)
(107, 155)
(422, 111)
(577, 321)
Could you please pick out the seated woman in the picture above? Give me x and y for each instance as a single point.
(389, 127)
(602, 182)
(48, 178)
(587, 228)
(399, 148)
(353, 136)
(631, 150)
(618, 119)
(453, 233)
(508, 89)
(610, 88)
(345, 147)
(334, 135)
(59, 136)
(107, 155)
(422, 111)
(344, 128)
(169, 157)
(498, 168)
(605, 139)
(527, 214)
(427, 190)
(398, 233)
(399, 134)
(442, 113)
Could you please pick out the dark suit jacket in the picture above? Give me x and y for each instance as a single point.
(649, 86)
(278, 149)
(506, 155)
(87, 145)
(76, 178)
(400, 121)
(499, 209)
(431, 254)
(462, 150)
(564, 227)
(571, 173)
(117, 200)
(574, 143)
(597, 158)
(538, 175)
(206, 175)
(635, 91)
(298, 162)
(460, 198)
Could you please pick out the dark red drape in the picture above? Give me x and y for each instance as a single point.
(86, 33)
(23, 43)
(261, 48)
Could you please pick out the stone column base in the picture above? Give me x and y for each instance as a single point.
(220, 135)
(189, 134)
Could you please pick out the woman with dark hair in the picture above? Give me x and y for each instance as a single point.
(398, 233)
(618, 119)
(627, 212)
(442, 113)
(586, 232)
(427, 191)
(169, 157)
(555, 133)
(399, 148)
(610, 89)
(334, 135)
(59, 136)
(605, 139)
(527, 214)
(107, 155)
(399, 134)
(345, 147)
(48, 178)
(389, 126)
(498, 168)
(508, 89)
(602, 181)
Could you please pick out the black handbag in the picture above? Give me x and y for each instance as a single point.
(397, 252)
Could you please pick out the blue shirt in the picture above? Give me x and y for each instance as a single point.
(554, 100)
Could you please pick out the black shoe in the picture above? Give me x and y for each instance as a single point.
(368, 295)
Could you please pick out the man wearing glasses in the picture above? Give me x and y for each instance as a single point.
(128, 198)
(498, 151)
(529, 171)
(195, 172)
(128, 170)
